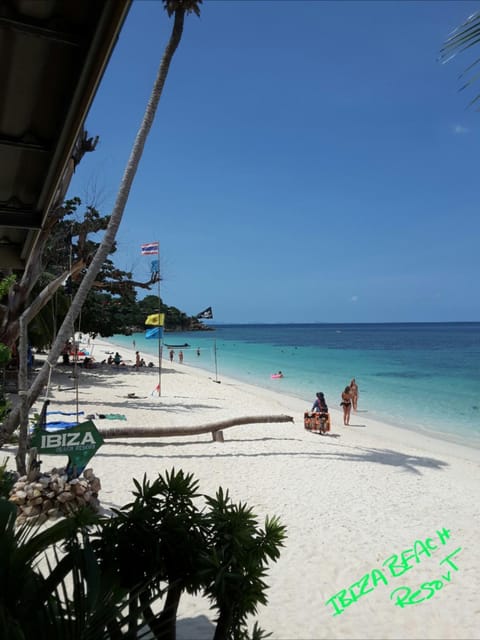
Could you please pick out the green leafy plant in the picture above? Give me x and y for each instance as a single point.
(6, 284)
(236, 564)
(106, 576)
(5, 355)
(7, 479)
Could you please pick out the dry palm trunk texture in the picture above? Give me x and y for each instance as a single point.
(215, 428)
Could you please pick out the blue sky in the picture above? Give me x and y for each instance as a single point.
(309, 162)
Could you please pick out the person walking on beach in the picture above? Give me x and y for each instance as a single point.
(171, 354)
(320, 404)
(180, 357)
(137, 360)
(346, 403)
(354, 393)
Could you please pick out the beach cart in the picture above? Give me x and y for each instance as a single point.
(316, 422)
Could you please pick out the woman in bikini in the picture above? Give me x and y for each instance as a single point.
(346, 403)
(354, 394)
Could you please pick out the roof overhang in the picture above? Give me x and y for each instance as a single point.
(53, 54)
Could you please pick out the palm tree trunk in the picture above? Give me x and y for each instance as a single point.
(166, 629)
(224, 625)
(63, 335)
(167, 432)
(20, 458)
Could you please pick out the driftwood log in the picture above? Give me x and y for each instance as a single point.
(215, 428)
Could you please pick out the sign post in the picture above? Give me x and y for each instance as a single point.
(79, 443)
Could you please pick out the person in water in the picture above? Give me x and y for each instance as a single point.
(320, 404)
(346, 403)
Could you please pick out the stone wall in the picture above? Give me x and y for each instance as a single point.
(52, 495)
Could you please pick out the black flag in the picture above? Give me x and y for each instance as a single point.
(206, 314)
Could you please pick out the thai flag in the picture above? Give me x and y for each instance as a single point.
(150, 249)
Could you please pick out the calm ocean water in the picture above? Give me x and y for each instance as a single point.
(423, 377)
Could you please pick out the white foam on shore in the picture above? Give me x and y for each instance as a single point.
(349, 500)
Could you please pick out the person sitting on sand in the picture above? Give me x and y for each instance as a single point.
(117, 358)
(88, 362)
(346, 403)
(320, 404)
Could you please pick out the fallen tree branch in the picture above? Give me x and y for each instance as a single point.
(212, 427)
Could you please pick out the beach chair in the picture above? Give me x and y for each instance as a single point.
(316, 422)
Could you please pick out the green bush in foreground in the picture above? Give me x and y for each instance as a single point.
(122, 568)
(7, 479)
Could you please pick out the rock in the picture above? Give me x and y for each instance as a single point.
(52, 495)
(95, 485)
(66, 496)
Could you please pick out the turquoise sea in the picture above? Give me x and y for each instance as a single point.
(420, 376)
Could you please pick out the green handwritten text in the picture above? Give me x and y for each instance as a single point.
(393, 567)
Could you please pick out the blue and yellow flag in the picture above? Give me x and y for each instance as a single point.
(155, 320)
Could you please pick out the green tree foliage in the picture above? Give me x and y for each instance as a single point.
(111, 306)
(6, 284)
(121, 568)
(175, 320)
(7, 479)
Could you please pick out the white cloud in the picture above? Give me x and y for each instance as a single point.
(458, 129)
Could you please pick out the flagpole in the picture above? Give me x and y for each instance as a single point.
(160, 330)
(215, 353)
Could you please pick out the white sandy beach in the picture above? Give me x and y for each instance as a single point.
(350, 500)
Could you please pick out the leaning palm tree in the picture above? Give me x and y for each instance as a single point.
(464, 37)
(178, 9)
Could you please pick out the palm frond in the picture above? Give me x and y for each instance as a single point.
(463, 38)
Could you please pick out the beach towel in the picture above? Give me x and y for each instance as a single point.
(59, 424)
(55, 426)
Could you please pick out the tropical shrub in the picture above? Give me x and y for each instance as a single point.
(119, 569)
(7, 479)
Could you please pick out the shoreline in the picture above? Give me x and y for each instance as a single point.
(436, 441)
(349, 500)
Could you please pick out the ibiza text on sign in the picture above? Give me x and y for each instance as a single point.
(54, 440)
